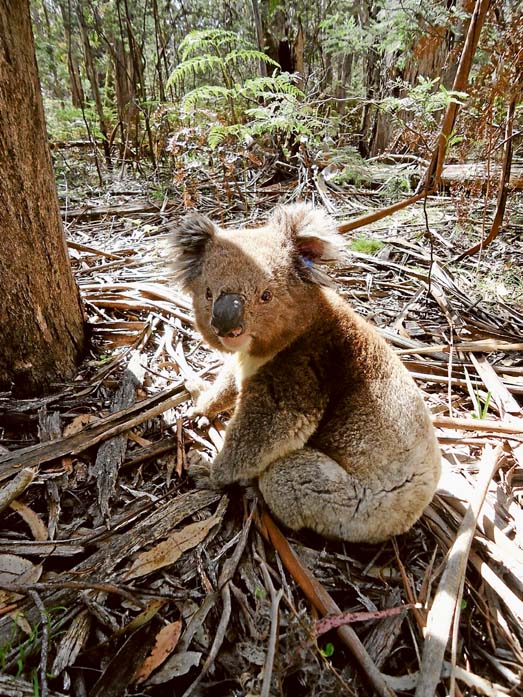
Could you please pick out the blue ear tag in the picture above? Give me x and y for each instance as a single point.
(308, 262)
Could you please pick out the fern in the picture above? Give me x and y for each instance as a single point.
(272, 86)
(218, 134)
(270, 105)
(198, 65)
(204, 92)
(198, 40)
(248, 54)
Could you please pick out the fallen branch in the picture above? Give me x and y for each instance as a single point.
(321, 600)
(94, 433)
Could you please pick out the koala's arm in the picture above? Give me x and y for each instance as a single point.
(212, 398)
(270, 421)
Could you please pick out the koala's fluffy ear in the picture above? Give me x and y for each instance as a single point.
(314, 235)
(311, 230)
(188, 244)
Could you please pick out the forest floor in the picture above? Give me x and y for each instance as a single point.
(109, 555)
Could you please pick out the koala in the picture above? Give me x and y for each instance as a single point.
(325, 417)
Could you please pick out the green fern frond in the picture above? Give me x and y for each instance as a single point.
(200, 64)
(201, 40)
(205, 92)
(218, 134)
(246, 54)
(271, 87)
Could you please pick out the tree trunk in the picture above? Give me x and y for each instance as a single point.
(41, 321)
(259, 34)
(75, 81)
(93, 79)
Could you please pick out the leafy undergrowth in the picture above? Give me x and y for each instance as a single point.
(109, 555)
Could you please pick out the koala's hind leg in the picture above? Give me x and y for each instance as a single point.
(307, 489)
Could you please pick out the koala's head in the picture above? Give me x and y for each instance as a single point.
(250, 286)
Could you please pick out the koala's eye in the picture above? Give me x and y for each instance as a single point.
(208, 294)
(266, 296)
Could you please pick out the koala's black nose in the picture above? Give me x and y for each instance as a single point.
(227, 313)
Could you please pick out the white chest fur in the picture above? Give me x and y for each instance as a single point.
(247, 366)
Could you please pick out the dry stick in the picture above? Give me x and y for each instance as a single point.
(226, 575)
(276, 597)
(321, 600)
(446, 605)
(16, 487)
(503, 186)
(383, 212)
(44, 654)
(509, 428)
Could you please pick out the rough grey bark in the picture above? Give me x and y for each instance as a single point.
(41, 323)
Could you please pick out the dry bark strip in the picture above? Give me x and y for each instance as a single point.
(94, 433)
(111, 453)
(102, 565)
(16, 687)
(86, 213)
(72, 642)
(446, 606)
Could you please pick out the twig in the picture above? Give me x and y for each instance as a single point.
(276, 597)
(16, 487)
(226, 575)
(29, 589)
(446, 605)
(44, 653)
(321, 600)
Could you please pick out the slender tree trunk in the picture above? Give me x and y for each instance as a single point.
(259, 34)
(93, 79)
(41, 321)
(75, 81)
(58, 90)
(159, 50)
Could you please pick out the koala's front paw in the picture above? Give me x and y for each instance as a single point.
(197, 389)
(199, 470)
(195, 386)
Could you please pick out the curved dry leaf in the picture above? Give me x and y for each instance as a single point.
(166, 641)
(171, 549)
(36, 524)
(179, 664)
